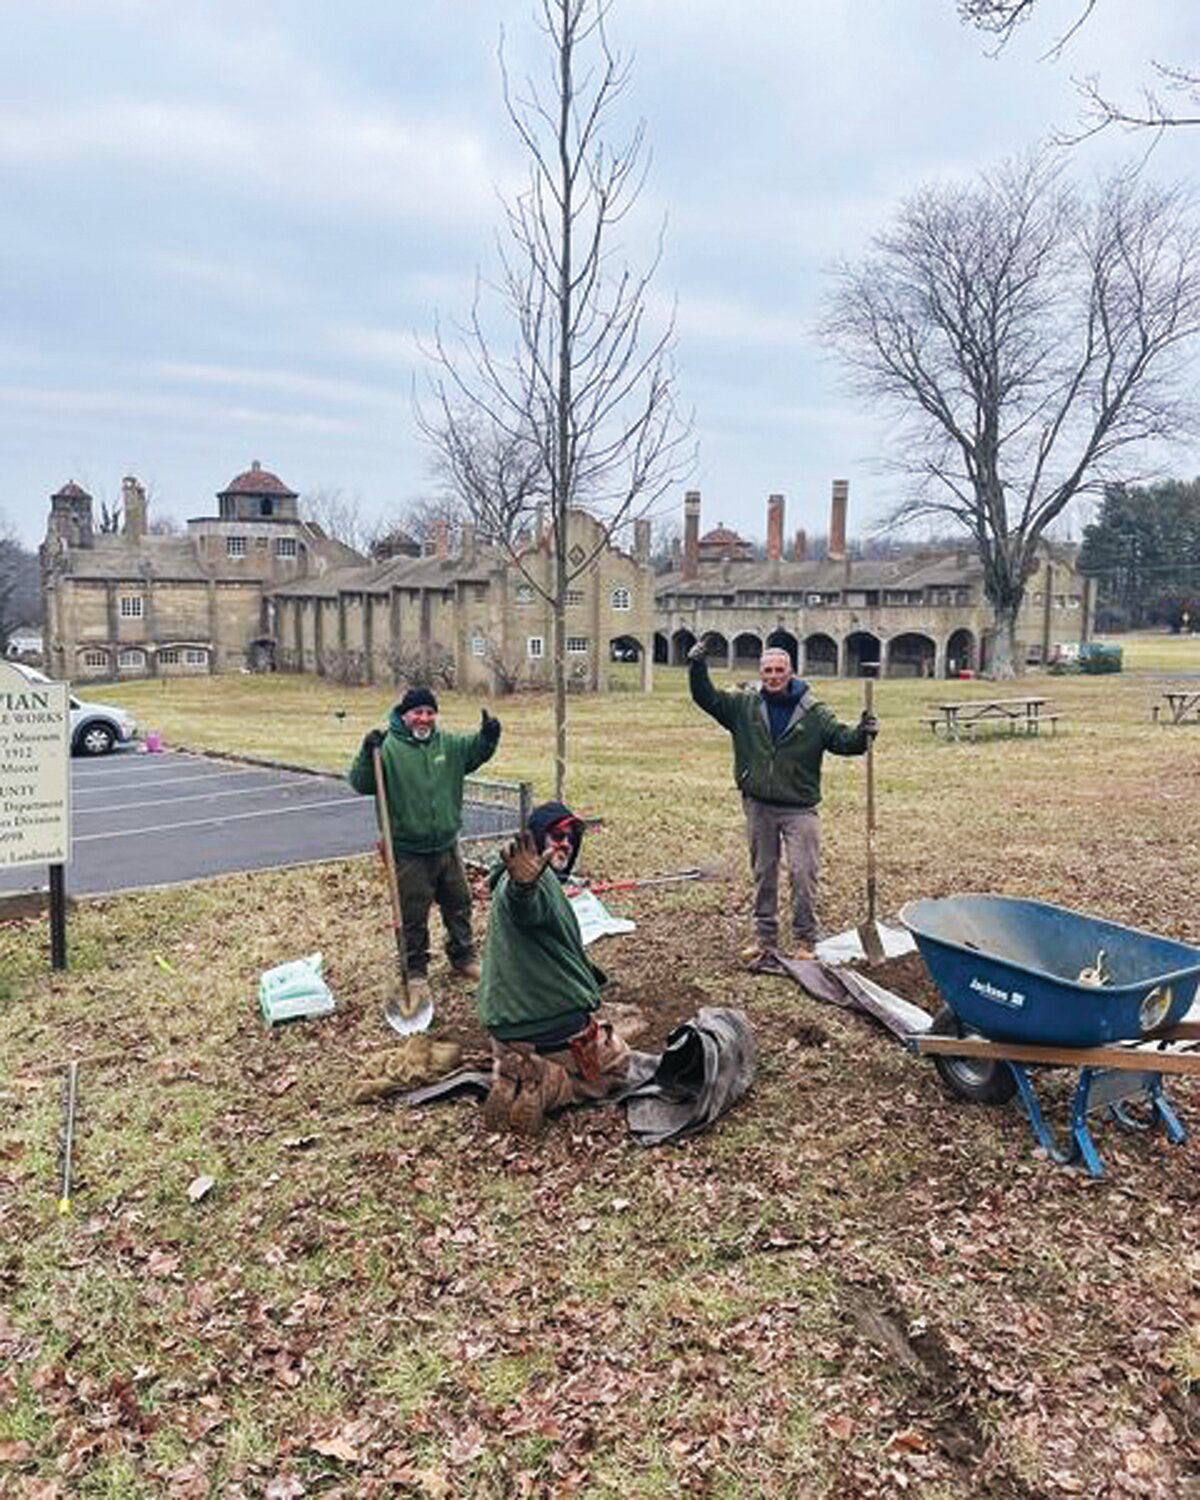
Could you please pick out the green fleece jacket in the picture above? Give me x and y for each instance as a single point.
(424, 784)
(785, 771)
(536, 972)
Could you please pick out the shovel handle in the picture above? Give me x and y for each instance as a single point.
(869, 708)
(389, 866)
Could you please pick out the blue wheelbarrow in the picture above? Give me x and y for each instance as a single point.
(1029, 985)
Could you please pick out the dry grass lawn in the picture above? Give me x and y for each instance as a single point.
(854, 1285)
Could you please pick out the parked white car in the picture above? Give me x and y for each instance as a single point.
(96, 728)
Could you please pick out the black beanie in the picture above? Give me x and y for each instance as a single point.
(417, 697)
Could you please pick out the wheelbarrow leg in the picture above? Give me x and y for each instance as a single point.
(1081, 1142)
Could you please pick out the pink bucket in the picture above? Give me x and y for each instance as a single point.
(153, 742)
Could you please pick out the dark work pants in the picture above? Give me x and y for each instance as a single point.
(797, 830)
(424, 879)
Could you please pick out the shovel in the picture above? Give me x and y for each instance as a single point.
(868, 931)
(402, 1014)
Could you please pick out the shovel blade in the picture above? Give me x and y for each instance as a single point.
(872, 944)
(420, 1020)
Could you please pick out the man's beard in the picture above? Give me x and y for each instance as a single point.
(423, 733)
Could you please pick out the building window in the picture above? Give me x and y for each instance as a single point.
(169, 657)
(285, 546)
(577, 645)
(235, 546)
(194, 657)
(478, 646)
(537, 648)
(479, 592)
(814, 598)
(524, 594)
(95, 658)
(134, 659)
(261, 543)
(621, 598)
(133, 606)
(574, 596)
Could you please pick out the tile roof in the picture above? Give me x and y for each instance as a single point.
(257, 481)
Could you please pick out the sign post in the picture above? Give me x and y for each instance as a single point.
(35, 787)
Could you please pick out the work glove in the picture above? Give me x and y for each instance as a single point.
(698, 652)
(869, 724)
(372, 741)
(521, 859)
(489, 728)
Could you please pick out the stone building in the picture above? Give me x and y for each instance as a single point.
(135, 604)
(922, 615)
(474, 617)
(258, 587)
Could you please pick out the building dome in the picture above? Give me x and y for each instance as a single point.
(257, 481)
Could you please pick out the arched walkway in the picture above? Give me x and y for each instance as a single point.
(681, 643)
(662, 648)
(625, 648)
(961, 653)
(820, 656)
(747, 649)
(911, 655)
(862, 650)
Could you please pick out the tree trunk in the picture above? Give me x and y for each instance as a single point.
(1004, 643)
(560, 697)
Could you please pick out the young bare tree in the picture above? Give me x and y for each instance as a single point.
(1173, 99)
(580, 409)
(1025, 337)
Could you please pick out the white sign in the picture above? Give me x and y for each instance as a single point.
(35, 781)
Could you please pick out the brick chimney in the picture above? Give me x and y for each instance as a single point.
(691, 534)
(641, 541)
(800, 546)
(775, 504)
(133, 504)
(837, 520)
(468, 544)
(441, 540)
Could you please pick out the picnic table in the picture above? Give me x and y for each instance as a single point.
(1182, 706)
(1018, 715)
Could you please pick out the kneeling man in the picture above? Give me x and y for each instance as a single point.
(539, 991)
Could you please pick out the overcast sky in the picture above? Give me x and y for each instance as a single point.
(229, 226)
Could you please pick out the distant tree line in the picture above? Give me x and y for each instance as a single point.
(1144, 549)
(20, 585)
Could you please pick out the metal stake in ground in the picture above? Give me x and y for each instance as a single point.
(868, 931)
(401, 1014)
(68, 1144)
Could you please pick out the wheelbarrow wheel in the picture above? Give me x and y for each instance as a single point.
(972, 1078)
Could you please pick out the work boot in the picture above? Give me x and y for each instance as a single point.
(499, 1102)
(468, 969)
(527, 1113)
(759, 957)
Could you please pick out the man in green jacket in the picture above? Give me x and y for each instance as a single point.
(540, 991)
(423, 769)
(780, 736)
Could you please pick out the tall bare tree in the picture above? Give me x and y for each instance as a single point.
(580, 407)
(1025, 337)
(1173, 99)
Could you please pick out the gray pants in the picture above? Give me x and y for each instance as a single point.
(424, 879)
(798, 831)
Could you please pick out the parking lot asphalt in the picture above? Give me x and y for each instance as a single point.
(143, 820)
